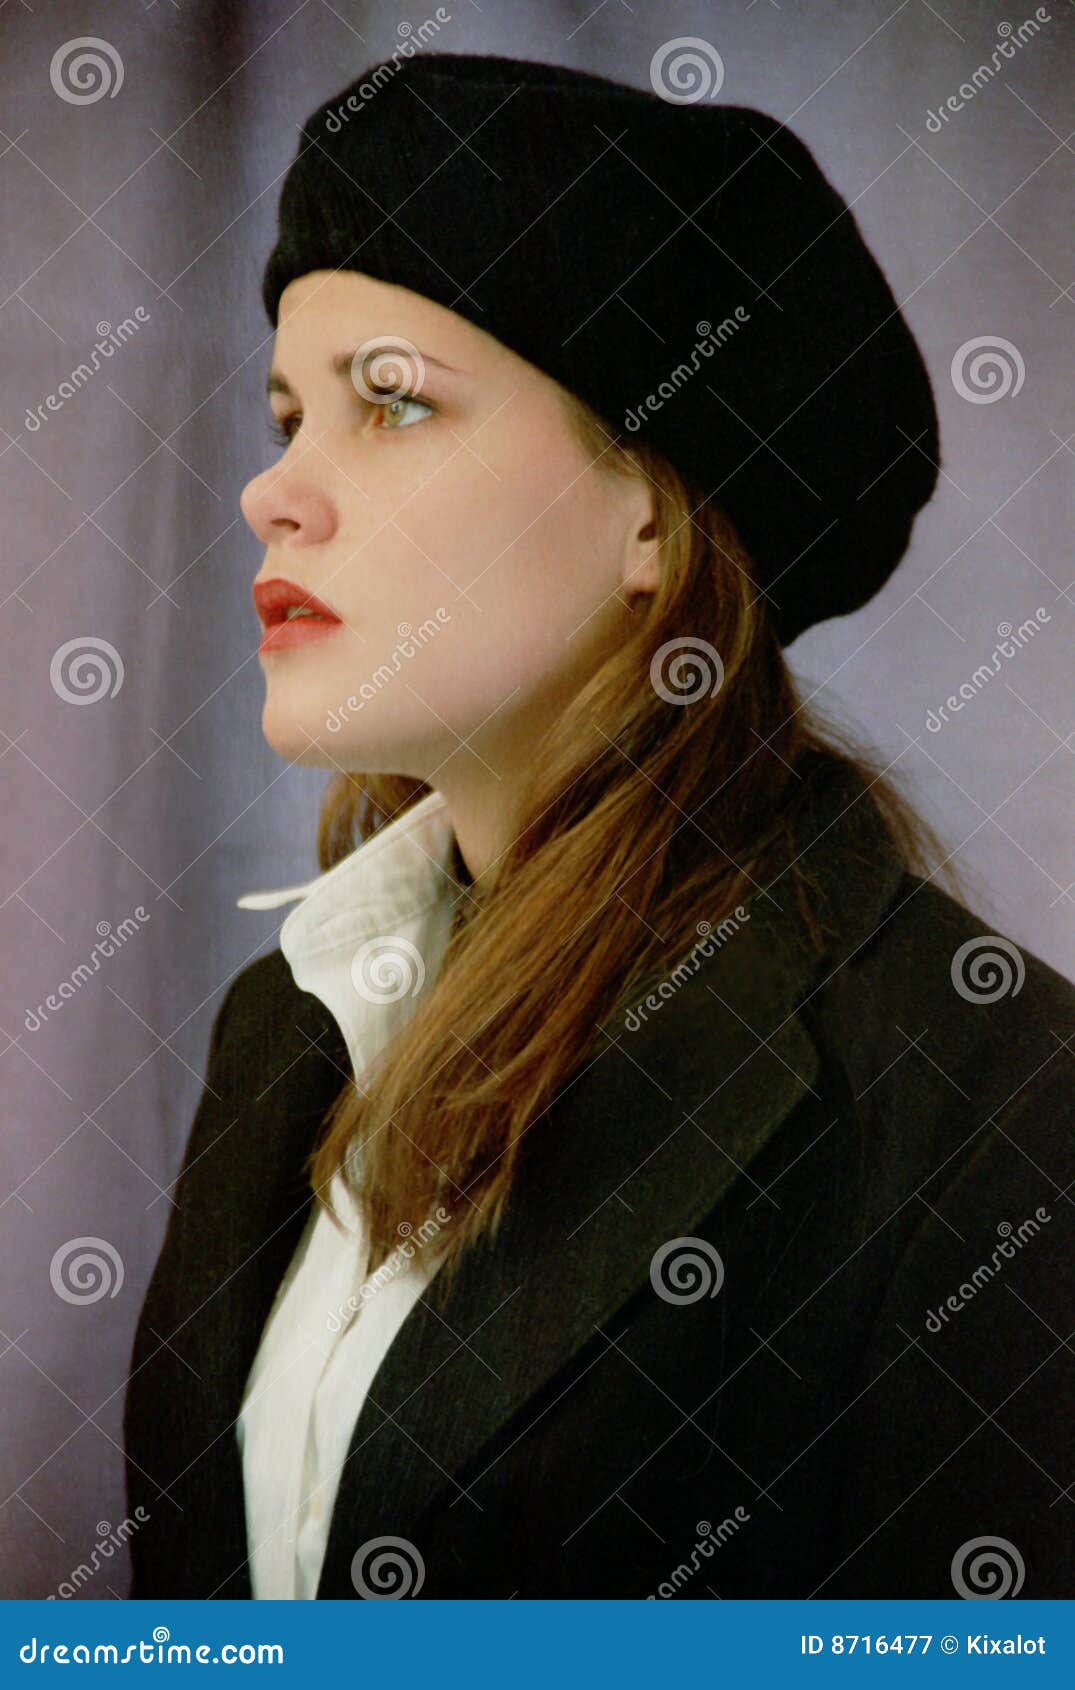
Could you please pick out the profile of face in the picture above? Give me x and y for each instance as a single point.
(436, 498)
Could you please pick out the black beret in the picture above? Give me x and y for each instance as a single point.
(682, 265)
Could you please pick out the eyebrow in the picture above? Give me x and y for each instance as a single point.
(341, 366)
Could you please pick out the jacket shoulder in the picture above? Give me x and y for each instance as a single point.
(258, 989)
(934, 918)
(265, 1026)
(966, 1013)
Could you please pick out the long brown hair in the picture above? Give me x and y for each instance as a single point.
(639, 813)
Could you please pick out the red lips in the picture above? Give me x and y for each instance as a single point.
(272, 600)
(282, 633)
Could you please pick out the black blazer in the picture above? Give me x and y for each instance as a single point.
(882, 1376)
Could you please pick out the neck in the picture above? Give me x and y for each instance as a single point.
(481, 821)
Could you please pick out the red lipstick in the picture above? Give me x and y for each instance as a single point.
(273, 601)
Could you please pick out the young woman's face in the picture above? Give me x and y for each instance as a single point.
(481, 566)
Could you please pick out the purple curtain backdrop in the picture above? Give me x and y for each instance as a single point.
(137, 198)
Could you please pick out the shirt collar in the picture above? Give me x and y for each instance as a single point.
(368, 934)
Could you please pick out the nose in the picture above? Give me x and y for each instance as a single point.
(284, 507)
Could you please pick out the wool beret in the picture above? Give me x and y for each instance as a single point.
(682, 265)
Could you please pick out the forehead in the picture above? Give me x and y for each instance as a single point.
(325, 311)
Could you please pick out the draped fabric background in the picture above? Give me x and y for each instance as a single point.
(139, 175)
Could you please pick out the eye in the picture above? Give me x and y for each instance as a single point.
(281, 431)
(394, 411)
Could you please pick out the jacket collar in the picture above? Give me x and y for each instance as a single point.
(640, 1145)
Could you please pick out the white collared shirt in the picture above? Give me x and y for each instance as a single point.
(367, 937)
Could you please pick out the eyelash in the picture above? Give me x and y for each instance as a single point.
(278, 430)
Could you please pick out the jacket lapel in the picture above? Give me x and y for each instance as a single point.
(244, 1189)
(639, 1147)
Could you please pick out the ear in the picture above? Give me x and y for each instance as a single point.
(641, 560)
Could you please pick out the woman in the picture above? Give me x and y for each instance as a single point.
(582, 1191)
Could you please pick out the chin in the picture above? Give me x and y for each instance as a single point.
(334, 738)
(298, 741)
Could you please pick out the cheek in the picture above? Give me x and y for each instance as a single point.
(523, 560)
(525, 533)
